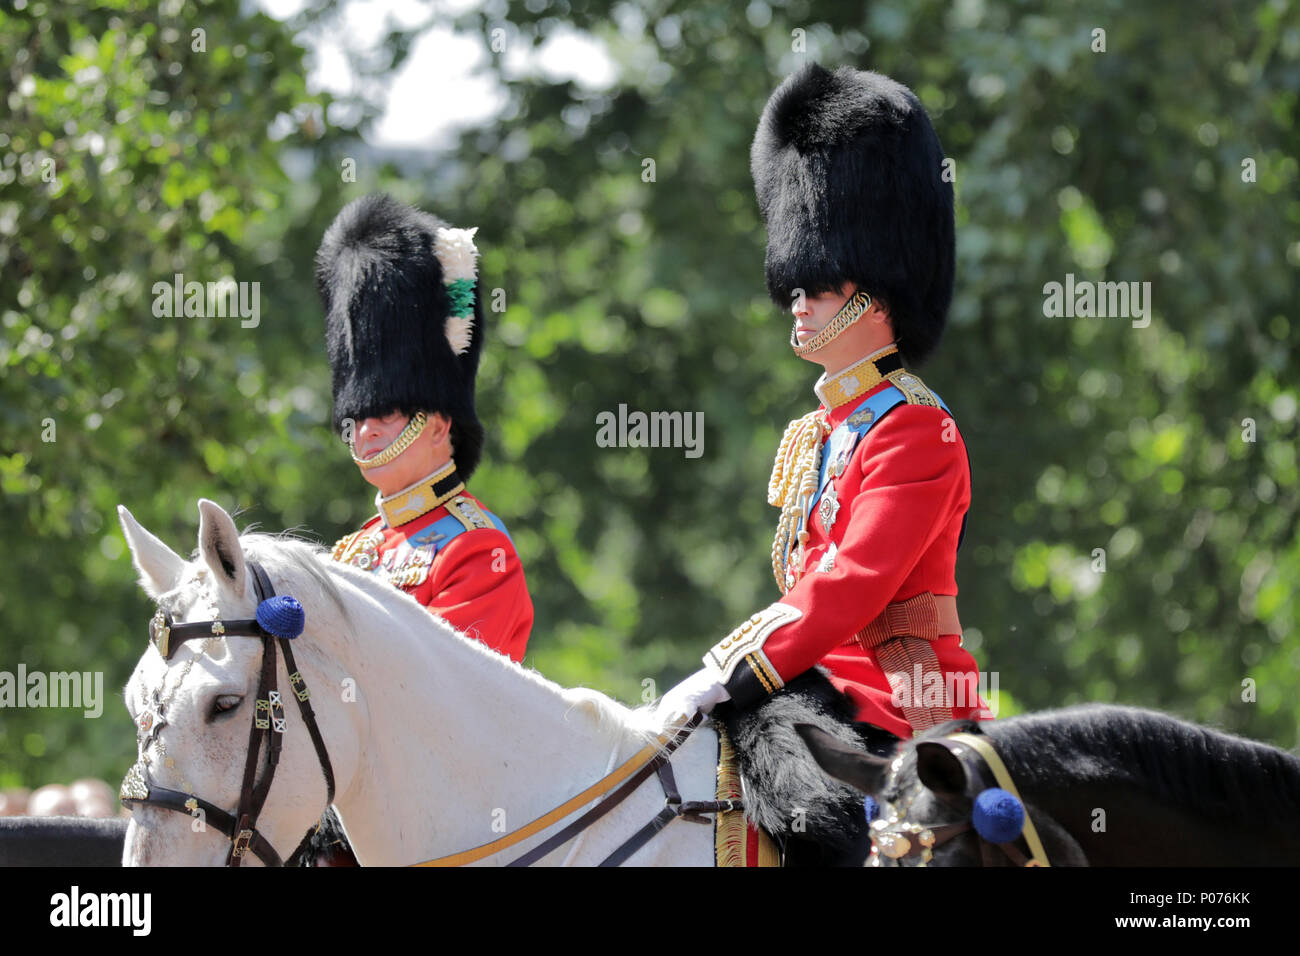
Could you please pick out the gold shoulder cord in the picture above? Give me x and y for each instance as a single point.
(792, 485)
(796, 470)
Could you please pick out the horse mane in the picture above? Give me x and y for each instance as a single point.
(295, 552)
(1201, 768)
(288, 552)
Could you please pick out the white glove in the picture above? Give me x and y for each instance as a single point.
(701, 691)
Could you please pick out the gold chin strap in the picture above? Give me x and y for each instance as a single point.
(1037, 855)
(849, 313)
(398, 445)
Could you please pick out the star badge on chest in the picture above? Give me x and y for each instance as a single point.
(366, 554)
(827, 563)
(829, 508)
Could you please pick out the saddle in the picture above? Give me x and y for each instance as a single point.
(815, 819)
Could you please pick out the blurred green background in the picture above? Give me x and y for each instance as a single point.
(126, 157)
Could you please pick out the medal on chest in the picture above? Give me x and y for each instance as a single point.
(401, 565)
(863, 416)
(410, 566)
(361, 551)
(828, 508)
(827, 563)
(839, 449)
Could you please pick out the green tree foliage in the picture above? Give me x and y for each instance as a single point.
(131, 155)
(621, 236)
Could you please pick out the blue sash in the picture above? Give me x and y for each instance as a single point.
(447, 528)
(843, 441)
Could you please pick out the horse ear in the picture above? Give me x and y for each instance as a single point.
(855, 767)
(219, 545)
(939, 768)
(160, 567)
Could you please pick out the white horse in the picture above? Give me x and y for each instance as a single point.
(438, 744)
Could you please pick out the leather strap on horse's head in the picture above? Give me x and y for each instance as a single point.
(268, 722)
(898, 839)
(991, 760)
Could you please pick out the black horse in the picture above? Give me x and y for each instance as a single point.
(1104, 786)
(61, 841)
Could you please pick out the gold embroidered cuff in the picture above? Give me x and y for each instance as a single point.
(764, 672)
(748, 639)
(753, 681)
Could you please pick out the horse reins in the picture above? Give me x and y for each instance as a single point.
(278, 620)
(651, 759)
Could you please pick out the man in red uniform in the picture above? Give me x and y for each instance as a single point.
(874, 485)
(418, 541)
(404, 330)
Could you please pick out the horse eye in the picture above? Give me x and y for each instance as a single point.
(226, 703)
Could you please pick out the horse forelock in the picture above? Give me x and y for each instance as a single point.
(287, 553)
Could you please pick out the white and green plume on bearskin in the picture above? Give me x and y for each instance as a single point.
(459, 257)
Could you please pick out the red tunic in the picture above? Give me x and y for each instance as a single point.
(902, 499)
(475, 581)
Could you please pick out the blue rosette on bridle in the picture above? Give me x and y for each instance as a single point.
(998, 816)
(281, 616)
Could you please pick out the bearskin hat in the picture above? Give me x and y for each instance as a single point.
(399, 336)
(849, 178)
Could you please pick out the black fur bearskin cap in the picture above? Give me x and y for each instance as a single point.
(849, 177)
(386, 331)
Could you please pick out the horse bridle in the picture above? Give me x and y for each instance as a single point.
(279, 619)
(895, 838)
